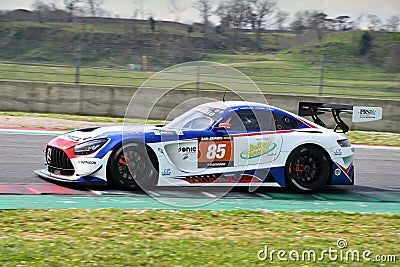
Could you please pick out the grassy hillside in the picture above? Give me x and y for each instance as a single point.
(342, 49)
(115, 45)
(288, 63)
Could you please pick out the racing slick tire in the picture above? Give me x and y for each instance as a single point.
(131, 167)
(307, 169)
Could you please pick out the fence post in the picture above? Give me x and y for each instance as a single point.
(78, 63)
(79, 52)
(198, 78)
(321, 75)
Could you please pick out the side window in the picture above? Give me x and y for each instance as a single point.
(284, 122)
(251, 120)
(235, 120)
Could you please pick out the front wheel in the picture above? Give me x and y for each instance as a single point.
(307, 169)
(131, 168)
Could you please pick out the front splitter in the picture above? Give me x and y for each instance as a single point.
(45, 174)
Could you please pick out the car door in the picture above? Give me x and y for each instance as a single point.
(182, 151)
(255, 138)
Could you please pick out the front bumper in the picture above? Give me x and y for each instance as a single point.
(86, 180)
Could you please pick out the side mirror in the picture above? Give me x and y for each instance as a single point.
(224, 126)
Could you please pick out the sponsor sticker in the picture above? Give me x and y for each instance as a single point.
(77, 138)
(364, 114)
(206, 111)
(187, 149)
(338, 152)
(166, 172)
(215, 151)
(87, 162)
(262, 147)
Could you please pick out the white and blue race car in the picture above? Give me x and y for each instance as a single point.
(231, 143)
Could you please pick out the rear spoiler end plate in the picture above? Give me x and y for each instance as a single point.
(359, 113)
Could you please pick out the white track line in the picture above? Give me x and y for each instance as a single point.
(31, 132)
(207, 194)
(372, 147)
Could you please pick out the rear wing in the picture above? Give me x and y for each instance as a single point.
(359, 113)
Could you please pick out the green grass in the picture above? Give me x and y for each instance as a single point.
(303, 78)
(66, 74)
(355, 137)
(374, 138)
(343, 48)
(271, 76)
(236, 58)
(113, 237)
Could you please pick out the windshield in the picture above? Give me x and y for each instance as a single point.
(193, 120)
(199, 118)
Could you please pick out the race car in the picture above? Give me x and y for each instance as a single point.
(232, 143)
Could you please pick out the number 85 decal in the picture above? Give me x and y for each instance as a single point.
(213, 154)
(216, 151)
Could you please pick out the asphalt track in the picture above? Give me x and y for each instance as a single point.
(377, 186)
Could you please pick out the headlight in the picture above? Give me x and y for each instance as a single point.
(344, 143)
(89, 147)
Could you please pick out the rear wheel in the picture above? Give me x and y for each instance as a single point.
(130, 168)
(307, 169)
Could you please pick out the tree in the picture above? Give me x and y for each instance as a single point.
(176, 9)
(365, 43)
(205, 9)
(304, 20)
(310, 20)
(393, 23)
(259, 11)
(40, 8)
(189, 30)
(234, 13)
(71, 5)
(299, 22)
(139, 10)
(281, 18)
(331, 24)
(343, 23)
(54, 5)
(318, 23)
(152, 24)
(374, 22)
(223, 12)
(38, 5)
(94, 7)
(238, 14)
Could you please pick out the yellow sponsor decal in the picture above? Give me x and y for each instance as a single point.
(257, 150)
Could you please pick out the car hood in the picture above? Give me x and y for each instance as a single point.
(84, 134)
